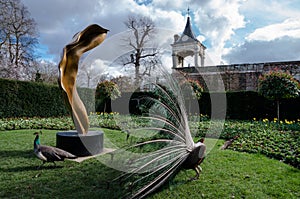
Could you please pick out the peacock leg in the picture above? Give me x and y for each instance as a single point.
(199, 168)
(41, 165)
(196, 169)
(197, 172)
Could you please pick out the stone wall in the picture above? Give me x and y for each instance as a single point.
(236, 77)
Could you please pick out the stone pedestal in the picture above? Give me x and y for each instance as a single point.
(80, 145)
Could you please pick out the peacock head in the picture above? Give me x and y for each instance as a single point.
(37, 138)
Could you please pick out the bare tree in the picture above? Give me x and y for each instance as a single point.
(84, 76)
(124, 83)
(47, 72)
(90, 76)
(18, 36)
(143, 54)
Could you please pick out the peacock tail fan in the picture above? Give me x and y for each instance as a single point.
(148, 172)
(160, 143)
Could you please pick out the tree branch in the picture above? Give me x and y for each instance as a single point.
(148, 55)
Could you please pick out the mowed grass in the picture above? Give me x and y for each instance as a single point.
(226, 174)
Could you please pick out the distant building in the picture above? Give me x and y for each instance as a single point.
(238, 77)
(187, 45)
(188, 56)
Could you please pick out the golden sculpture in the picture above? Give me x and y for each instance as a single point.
(83, 41)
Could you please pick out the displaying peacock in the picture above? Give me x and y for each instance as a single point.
(163, 142)
(49, 153)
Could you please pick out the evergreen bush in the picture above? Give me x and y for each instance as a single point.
(32, 99)
(242, 105)
(106, 91)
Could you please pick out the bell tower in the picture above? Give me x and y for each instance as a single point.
(187, 46)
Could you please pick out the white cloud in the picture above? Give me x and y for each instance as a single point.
(59, 20)
(290, 27)
(218, 20)
(171, 4)
(274, 36)
(281, 49)
(168, 19)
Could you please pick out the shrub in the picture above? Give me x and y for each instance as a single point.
(105, 92)
(278, 85)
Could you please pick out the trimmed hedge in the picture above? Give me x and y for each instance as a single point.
(87, 95)
(244, 105)
(30, 99)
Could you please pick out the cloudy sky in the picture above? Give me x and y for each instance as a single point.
(234, 31)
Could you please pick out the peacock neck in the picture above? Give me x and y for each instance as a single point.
(36, 141)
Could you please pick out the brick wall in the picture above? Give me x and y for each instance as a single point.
(236, 77)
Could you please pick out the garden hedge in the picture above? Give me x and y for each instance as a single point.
(29, 99)
(243, 105)
(246, 105)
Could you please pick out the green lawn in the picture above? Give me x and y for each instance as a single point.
(226, 174)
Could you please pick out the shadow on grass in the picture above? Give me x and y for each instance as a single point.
(17, 153)
(30, 168)
(20, 160)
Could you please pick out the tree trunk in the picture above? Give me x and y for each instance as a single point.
(17, 52)
(104, 108)
(190, 105)
(137, 75)
(278, 104)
